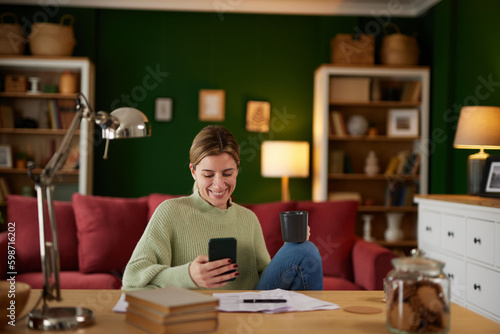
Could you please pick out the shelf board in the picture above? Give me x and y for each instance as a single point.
(37, 171)
(53, 132)
(382, 208)
(378, 177)
(375, 104)
(38, 95)
(400, 243)
(373, 138)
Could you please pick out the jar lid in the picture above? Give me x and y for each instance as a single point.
(417, 264)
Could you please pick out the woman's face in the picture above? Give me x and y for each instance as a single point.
(216, 177)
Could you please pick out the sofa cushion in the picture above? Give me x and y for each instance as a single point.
(332, 231)
(23, 211)
(74, 280)
(335, 283)
(108, 229)
(156, 199)
(269, 218)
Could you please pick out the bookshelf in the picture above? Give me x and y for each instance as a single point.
(372, 91)
(33, 132)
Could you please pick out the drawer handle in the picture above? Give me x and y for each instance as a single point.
(428, 228)
(477, 240)
(451, 234)
(477, 287)
(451, 276)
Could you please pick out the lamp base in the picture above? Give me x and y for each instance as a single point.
(60, 318)
(475, 168)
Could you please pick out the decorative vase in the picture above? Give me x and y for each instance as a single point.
(394, 231)
(367, 227)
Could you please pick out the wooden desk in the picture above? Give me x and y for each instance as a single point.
(102, 301)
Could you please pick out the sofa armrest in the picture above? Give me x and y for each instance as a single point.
(3, 255)
(371, 263)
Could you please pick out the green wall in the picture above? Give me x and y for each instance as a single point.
(260, 57)
(465, 57)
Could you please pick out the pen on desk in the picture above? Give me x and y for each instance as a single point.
(264, 300)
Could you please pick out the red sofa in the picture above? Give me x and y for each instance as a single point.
(98, 234)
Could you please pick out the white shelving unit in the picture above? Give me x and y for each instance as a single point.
(49, 70)
(357, 147)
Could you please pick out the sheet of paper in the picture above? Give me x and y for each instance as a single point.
(121, 305)
(295, 302)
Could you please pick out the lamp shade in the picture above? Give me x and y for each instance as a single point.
(478, 126)
(285, 158)
(126, 123)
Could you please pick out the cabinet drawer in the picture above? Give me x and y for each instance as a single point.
(453, 233)
(480, 238)
(429, 223)
(455, 270)
(497, 244)
(483, 289)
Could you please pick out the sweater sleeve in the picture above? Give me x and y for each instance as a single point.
(150, 264)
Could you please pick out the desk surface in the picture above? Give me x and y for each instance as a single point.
(340, 321)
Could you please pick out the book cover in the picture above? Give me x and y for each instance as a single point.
(198, 326)
(171, 299)
(160, 317)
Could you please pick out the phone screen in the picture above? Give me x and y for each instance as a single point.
(222, 248)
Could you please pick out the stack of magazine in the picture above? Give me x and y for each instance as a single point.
(172, 310)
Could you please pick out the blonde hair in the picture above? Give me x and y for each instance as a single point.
(213, 140)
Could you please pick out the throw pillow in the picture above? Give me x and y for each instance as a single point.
(108, 229)
(23, 211)
(332, 231)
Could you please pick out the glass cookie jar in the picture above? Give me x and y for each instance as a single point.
(418, 296)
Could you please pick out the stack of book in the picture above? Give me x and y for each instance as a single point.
(172, 310)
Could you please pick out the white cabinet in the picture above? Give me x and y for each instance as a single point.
(464, 232)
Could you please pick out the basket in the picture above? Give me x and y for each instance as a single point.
(399, 49)
(353, 49)
(15, 84)
(50, 39)
(12, 41)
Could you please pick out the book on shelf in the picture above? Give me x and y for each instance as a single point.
(180, 327)
(337, 162)
(55, 122)
(67, 111)
(399, 193)
(411, 91)
(171, 299)
(338, 126)
(6, 117)
(404, 163)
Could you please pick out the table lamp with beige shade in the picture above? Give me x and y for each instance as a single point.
(285, 159)
(478, 128)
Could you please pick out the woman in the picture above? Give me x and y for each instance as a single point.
(172, 249)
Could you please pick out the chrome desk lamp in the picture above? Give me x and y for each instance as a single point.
(121, 123)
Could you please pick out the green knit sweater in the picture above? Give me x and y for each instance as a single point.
(179, 231)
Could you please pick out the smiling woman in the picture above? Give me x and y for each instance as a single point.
(173, 249)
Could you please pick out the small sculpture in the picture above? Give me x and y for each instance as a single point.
(371, 166)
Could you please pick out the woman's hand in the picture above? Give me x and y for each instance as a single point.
(207, 274)
(308, 232)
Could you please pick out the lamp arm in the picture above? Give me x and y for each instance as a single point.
(59, 158)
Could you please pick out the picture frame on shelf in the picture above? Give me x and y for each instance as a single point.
(403, 123)
(5, 156)
(490, 184)
(212, 105)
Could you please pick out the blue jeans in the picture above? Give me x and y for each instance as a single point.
(296, 266)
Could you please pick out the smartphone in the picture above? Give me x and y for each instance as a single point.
(222, 248)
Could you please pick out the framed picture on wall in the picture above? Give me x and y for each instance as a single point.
(402, 123)
(212, 105)
(490, 184)
(258, 115)
(5, 156)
